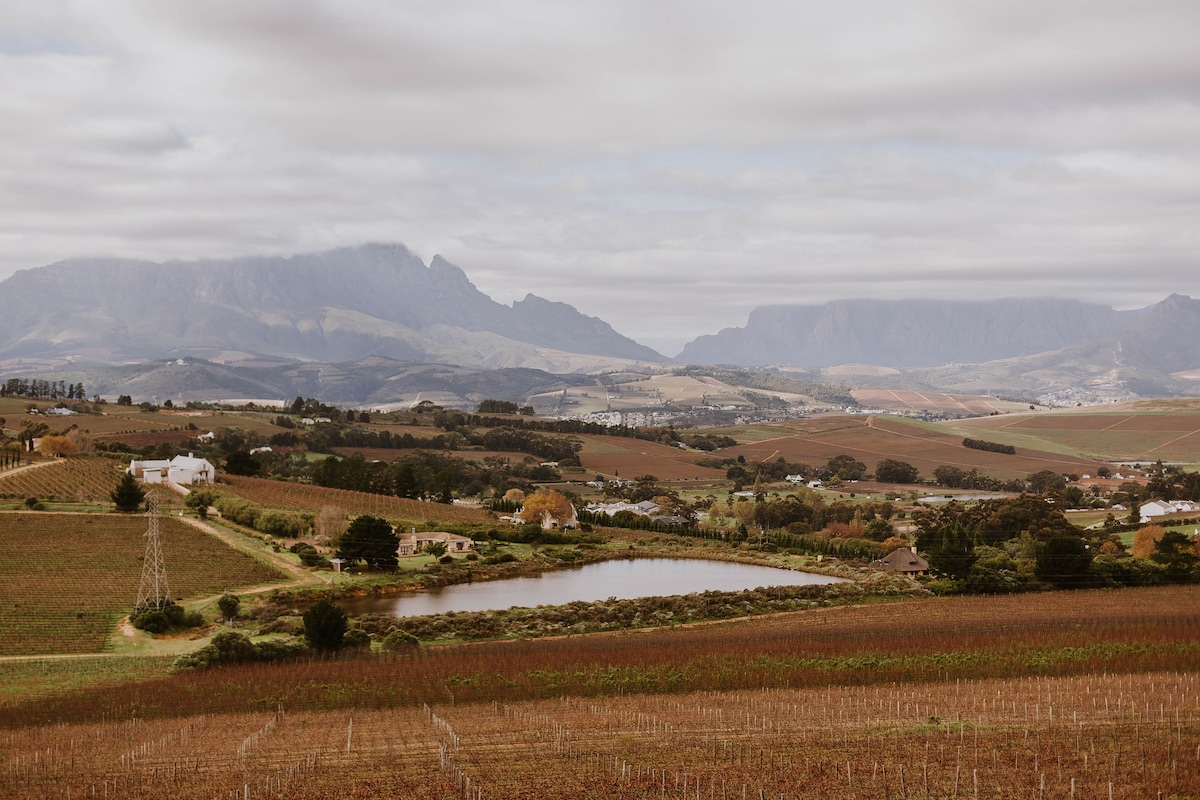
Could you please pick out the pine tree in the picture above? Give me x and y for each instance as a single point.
(128, 495)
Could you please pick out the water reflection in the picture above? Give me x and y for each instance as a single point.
(624, 579)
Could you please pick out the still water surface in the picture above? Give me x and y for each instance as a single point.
(623, 579)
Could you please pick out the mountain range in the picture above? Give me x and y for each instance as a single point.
(363, 325)
(341, 305)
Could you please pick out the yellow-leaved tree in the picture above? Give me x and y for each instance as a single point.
(1146, 539)
(547, 507)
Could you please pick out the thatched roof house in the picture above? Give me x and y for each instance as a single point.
(902, 560)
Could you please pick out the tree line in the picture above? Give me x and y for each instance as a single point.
(40, 389)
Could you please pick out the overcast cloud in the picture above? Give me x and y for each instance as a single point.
(666, 166)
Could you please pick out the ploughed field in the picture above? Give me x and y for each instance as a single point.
(956, 697)
(68, 578)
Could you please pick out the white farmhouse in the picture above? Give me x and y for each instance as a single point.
(183, 470)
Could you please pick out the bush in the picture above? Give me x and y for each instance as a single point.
(356, 639)
(400, 642)
(170, 616)
(276, 523)
(230, 647)
(152, 621)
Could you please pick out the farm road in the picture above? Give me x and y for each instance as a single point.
(301, 576)
(28, 467)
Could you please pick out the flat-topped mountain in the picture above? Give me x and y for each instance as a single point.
(905, 333)
(340, 305)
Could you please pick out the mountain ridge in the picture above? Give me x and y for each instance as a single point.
(339, 305)
(904, 333)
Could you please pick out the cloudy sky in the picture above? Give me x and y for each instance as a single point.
(664, 165)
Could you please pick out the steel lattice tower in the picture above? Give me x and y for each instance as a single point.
(153, 592)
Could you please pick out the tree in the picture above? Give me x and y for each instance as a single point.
(1177, 554)
(1046, 482)
(325, 627)
(370, 539)
(128, 494)
(228, 604)
(846, 467)
(877, 530)
(1063, 561)
(949, 549)
(890, 470)
(1146, 540)
(240, 462)
(547, 504)
(56, 446)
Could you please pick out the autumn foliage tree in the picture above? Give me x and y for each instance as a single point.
(1146, 540)
(56, 445)
(547, 504)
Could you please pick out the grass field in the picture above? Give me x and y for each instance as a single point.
(69, 577)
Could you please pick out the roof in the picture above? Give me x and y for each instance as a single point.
(902, 559)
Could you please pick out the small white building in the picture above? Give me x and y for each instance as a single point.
(150, 470)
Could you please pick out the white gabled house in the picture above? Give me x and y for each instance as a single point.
(183, 470)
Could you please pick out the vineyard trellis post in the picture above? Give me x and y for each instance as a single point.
(153, 592)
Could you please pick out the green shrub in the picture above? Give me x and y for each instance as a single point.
(400, 641)
(356, 639)
(277, 523)
(170, 616)
(152, 621)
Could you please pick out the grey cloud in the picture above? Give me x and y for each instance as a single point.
(665, 166)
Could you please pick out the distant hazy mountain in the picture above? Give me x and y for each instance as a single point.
(906, 333)
(1155, 355)
(374, 382)
(337, 306)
